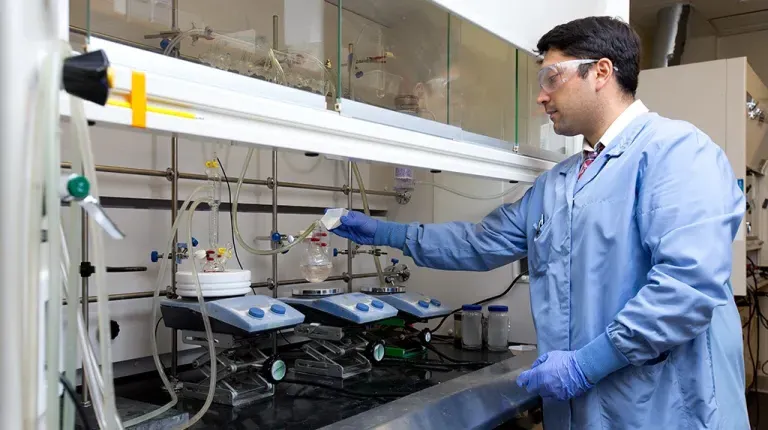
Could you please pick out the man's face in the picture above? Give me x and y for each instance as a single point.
(567, 98)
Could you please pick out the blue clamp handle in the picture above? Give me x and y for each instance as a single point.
(335, 252)
(154, 256)
(164, 43)
(394, 261)
(194, 242)
(276, 237)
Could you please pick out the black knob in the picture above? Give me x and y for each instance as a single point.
(425, 336)
(273, 370)
(86, 76)
(375, 351)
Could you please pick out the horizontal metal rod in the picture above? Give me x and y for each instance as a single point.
(124, 170)
(156, 49)
(148, 294)
(199, 177)
(124, 296)
(163, 204)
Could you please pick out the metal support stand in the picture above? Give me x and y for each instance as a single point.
(84, 286)
(174, 202)
(350, 254)
(174, 264)
(334, 353)
(242, 375)
(275, 245)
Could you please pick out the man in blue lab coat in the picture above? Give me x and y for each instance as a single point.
(629, 251)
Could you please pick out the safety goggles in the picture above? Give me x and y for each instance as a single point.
(555, 75)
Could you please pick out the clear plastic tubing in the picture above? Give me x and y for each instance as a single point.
(164, 263)
(498, 328)
(214, 181)
(472, 327)
(367, 210)
(84, 144)
(308, 231)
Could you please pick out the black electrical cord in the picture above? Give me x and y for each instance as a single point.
(497, 296)
(433, 363)
(73, 395)
(345, 391)
(453, 360)
(231, 213)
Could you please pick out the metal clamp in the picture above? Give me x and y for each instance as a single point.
(181, 253)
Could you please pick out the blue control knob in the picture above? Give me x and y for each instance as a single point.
(335, 252)
(377, 304)
(276, 237)
(435, 302)
(154, 256)
(278, 309)
(194, 242)
(164, 43)
(256, 312)
(423, 304)
(362, 307)
(394, 261)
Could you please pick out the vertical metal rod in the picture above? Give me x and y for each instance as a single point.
(174, 202)
(174, 265)
(175, 14)
(275, 32)
(350, 245)
(275, 46)
(84, 293)
(350, 73)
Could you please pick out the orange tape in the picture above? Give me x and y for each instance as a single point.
(138, 99)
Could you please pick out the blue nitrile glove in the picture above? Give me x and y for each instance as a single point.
(362, 229)
(555, 375)
(357, 227)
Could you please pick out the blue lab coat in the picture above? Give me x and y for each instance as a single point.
(635, 254)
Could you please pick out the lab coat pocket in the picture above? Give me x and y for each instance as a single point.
(540, 249)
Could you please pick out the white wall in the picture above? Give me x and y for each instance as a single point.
(148, 229)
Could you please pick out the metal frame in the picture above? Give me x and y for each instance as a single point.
(237, 383)
(263, 182)
(334, 353)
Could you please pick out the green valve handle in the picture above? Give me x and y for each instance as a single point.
(74, 187)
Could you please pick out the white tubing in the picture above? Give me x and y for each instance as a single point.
(181, 36)
(52, 76)
(31, 250)
(155, 304)
(367, 210)
(308, 231)
(208, 331)
(467, 195)
(84, 144)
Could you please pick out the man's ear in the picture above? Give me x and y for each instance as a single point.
(604, 72)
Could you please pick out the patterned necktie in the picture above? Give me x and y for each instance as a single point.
(589, 157)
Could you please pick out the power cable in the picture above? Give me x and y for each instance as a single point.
(231, 215)
(497, 296)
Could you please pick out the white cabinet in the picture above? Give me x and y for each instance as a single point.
(712, 96)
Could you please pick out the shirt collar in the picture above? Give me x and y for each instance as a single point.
(633, 111)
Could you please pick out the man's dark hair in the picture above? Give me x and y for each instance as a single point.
(595, 38)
